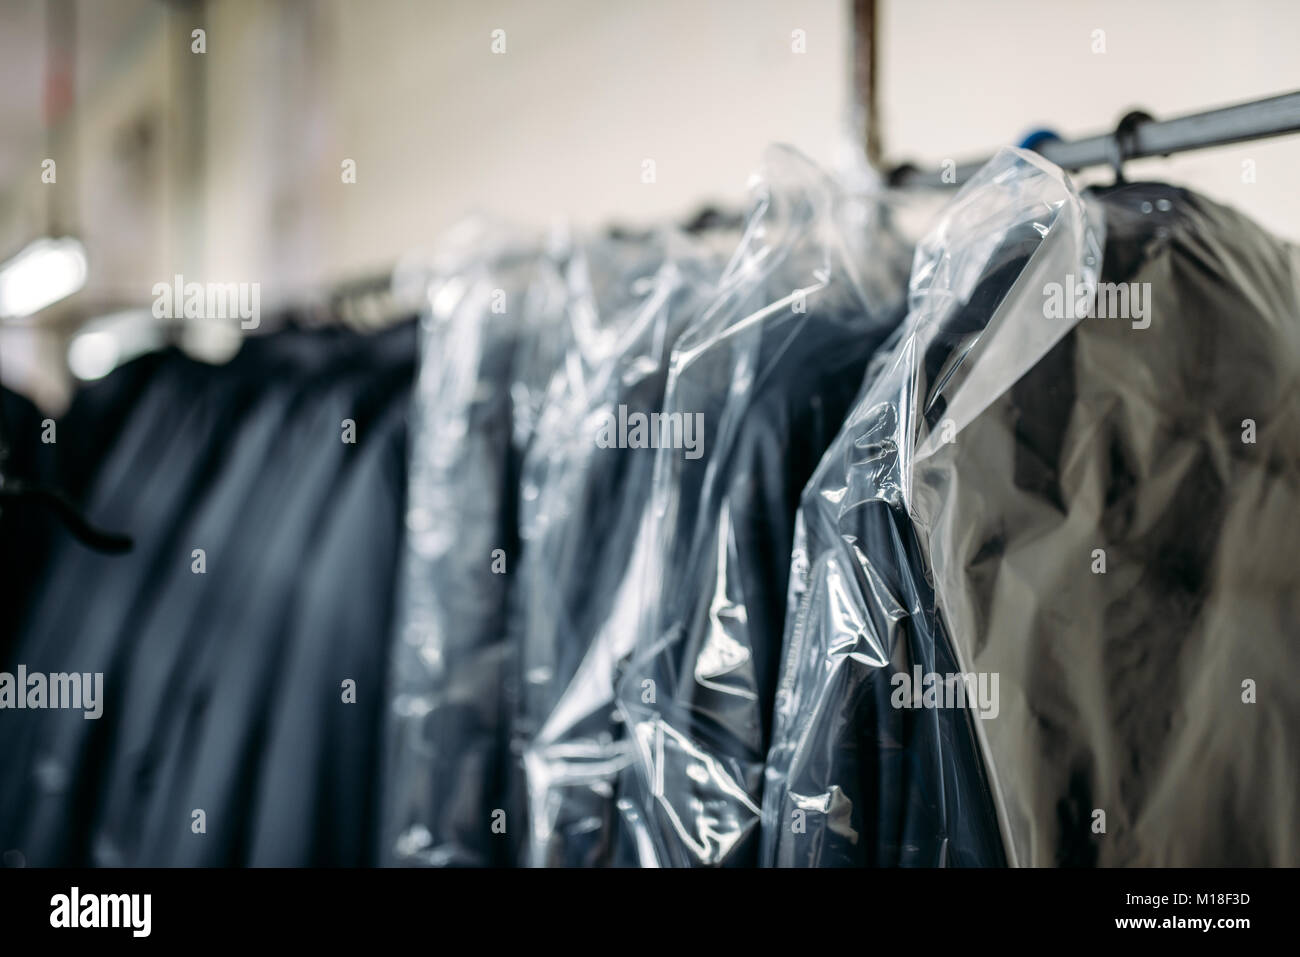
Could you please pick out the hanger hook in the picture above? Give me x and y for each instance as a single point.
(1124, 142)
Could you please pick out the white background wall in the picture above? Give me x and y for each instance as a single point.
(556, 127)
(225, 166)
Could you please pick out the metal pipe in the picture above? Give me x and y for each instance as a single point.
(1257, 119)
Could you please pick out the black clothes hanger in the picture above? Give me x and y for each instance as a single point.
(712, 217)
(17, 491)
(1125, 139)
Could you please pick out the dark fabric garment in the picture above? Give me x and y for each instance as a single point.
(1124, 690)
(224, 690)
(956, 526)
(723, 593)
(851, 778)
(711, 607)
(27, 532)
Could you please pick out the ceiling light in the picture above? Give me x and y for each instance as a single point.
(46, 271)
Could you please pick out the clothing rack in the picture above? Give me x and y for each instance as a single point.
(367, 301)
(1138, 135)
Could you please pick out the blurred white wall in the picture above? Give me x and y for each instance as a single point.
(225, 165)
(559, 125)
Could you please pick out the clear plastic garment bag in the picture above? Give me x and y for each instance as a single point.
(1042, 603)
(769, 370)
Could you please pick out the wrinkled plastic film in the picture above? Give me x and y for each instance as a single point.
(769, 371)
(490, 337)
(584, 495)
(1056, 514)
(1114, 540)
(852, 780)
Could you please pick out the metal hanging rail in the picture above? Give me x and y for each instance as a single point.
(1138, 136)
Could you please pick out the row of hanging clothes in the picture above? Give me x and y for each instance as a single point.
(882, 527)
(259, 578)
